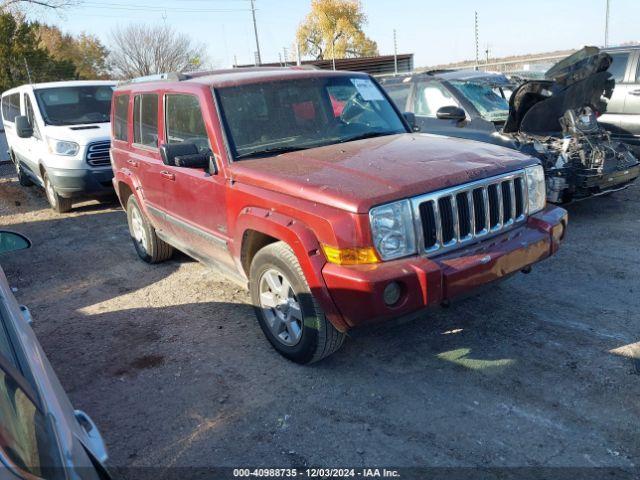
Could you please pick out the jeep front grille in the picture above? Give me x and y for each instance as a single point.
(457, 216)
(98, 154)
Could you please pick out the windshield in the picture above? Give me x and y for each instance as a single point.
(490, 105)
(75, 105)
(274, 117)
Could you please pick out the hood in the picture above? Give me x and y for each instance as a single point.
(81, 134)
(358, 175)
(579, 81)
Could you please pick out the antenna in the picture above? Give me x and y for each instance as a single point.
(28, 71)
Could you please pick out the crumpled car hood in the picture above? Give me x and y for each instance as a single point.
(580, 80)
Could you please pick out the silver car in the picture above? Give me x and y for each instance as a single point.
(41, 435)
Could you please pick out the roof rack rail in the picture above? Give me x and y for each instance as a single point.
(182, 76)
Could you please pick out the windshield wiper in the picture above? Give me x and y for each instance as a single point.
(363, 136)
(270, 151)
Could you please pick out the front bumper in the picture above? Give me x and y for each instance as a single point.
(357, 291)
(608, 181)
(79, 182)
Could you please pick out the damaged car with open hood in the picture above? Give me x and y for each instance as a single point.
(553, 119)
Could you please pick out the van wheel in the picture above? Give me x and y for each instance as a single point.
(23, 178)
(58, 203)
(149, 246)
(289, 315)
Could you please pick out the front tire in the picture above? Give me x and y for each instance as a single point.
(58, 204)
(23, 178)
(289, 315)
(148, 245)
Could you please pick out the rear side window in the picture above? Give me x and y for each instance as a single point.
(184, 121)
(121, 118)
(145, 120)
(619, 65)
(11, 107)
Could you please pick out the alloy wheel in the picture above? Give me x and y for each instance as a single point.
(137, 229)
(281, 307)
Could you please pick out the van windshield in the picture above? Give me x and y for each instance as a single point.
(269, 118)
(75, 105)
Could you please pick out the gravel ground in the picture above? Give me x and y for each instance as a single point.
(171, 364)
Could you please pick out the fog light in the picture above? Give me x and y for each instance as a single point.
(391, 294)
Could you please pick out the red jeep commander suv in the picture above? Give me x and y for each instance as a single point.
(311, 188)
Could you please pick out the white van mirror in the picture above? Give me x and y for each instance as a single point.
(24, 129)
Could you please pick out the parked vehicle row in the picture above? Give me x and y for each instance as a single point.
(554, 119)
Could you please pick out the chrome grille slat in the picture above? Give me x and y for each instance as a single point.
(98, 154)
(472, 213)
(512, 193)
(503, 207)
(500, 206)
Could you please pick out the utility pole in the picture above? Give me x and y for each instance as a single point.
(487, 54)
(255, 31)
(476, 34)
(284, 51)
(395, 51)
(298, 59)
(606, 25)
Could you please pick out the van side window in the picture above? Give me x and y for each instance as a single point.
(120, 118)
(145, 120)
(11, 107)
(28, 107)
(184, 121)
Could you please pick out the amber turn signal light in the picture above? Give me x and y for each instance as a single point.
(350, 256)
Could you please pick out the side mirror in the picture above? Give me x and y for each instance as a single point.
(23, 127)
(410, 117)
(183, 155)
(451, 112)
(11, 242)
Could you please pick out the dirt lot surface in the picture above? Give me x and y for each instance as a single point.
(171, 364)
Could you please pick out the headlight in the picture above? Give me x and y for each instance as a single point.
(63, 147)
(536, 190)
(392, 230)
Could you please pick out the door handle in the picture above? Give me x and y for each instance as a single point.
(133, 163)
(168, 175)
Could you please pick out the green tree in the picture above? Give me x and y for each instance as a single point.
(333, 29)
(23, 59)
(85, 51)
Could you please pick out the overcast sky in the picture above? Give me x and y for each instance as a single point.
(435, 31)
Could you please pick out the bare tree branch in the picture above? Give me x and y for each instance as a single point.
(6, 5)
(140, 50)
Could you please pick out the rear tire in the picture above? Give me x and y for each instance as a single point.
(58, 204)
(289, 315)
(148, 245)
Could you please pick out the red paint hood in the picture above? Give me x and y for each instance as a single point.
(355, 176)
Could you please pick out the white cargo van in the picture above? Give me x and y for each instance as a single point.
(59, 138)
